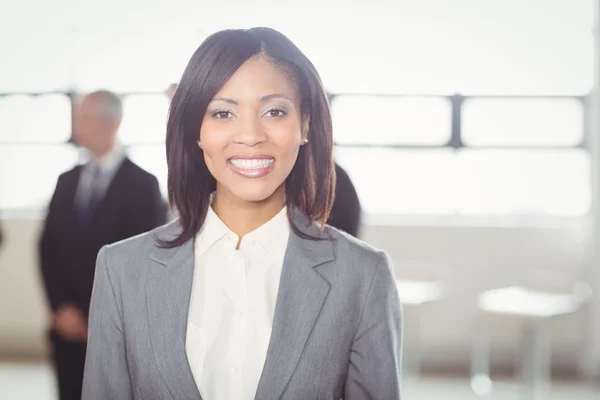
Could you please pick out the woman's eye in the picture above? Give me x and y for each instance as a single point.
(275, 112)
(222, 114)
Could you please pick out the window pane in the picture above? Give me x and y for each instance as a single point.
(391, 120)
(153, 159)
(522, 122)
(35, 119)
(524, 182)
(391, 181)
(28, 173)
(144, 119)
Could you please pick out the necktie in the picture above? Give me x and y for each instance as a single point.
(92, 197)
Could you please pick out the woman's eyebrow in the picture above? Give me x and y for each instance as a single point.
(262, 99)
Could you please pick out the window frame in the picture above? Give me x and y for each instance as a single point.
(455, 142)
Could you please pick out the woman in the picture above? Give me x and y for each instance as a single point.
(248, 294)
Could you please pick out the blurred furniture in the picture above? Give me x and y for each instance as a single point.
(537, 308)
(420, 284)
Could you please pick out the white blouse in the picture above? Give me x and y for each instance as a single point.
(233, 305)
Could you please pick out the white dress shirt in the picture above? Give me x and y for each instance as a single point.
(232, 305)
(108, 167)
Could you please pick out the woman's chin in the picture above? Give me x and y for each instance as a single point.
(256, 193)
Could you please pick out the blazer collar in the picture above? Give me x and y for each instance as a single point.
(315, 252)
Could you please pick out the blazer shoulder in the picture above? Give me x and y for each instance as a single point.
(134, 251)
(358, 265)
(353, 251)
(70, 174)
(136, 170)
(67, 181)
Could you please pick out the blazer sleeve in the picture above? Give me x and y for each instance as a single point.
(50, 263)
(106, 375)
(375, 369)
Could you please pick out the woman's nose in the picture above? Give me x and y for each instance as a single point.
(251, 132)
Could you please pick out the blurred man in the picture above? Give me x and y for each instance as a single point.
(346, 213)
(104, 201)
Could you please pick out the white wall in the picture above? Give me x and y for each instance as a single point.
(478, 257)
(23, 312)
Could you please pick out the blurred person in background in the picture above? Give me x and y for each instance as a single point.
(346, 213)
(103, 201)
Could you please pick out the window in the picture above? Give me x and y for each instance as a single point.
(35, 119)
(470, 182)
(522, 122)
(144, 119)
(522, 182)
(394, 69)
(153, 159)
(376, 120)
(391, 181)
(28, 173)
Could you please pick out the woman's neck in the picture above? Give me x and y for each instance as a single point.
(243, 217)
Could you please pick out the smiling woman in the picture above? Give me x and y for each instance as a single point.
(248, 294)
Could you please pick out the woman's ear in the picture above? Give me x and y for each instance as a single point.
(305, 128)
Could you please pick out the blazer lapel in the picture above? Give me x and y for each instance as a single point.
(168, 293)
(302, 293)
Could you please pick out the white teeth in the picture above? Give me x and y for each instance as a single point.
(252, 163)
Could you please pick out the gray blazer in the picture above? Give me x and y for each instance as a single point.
(337, 331)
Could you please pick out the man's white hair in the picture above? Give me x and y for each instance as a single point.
(109, 105)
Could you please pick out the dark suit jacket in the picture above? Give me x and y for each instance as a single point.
(346, 212)
(68, 250)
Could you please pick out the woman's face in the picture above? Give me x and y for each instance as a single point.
(252, 131)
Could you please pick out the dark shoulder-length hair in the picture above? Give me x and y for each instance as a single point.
(310, 187)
